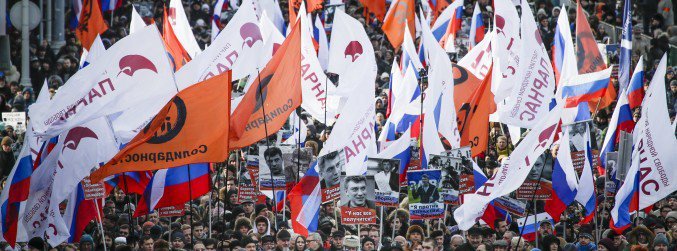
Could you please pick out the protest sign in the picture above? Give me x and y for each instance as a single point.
(467, 178)
(415, 160)
(387, 177)
(532, 184)
(248, 176)
(611, 167)
(172, 211)
(271, 170)
(451, 168)
(16, 119)
(93, 191)
(357, 200)
(295, 163)
(330, 166)
(425, 201)
(511, 205)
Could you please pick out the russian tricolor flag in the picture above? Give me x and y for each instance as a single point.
(625, 54)
(586, 87)
(585, 193)
(175, 183)
(79, 213)
(491, 213)
(635, 87)
(129, 182)
(529, 226)
(110, 5)
(627, 202)
(476, 26)
(621, 119)
(563, 190)
(305, 200)
(14, 195)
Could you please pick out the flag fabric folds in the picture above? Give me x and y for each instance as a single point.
(586, 87)
(401, 13)
(273, 95)
(187, 130)
(90, 23)
(476, 26)
(170, 187)
(80, 212)
(625, 54)
(305, 200)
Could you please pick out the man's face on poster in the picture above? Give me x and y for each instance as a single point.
(275, 164)
(537, 169)
(329, 171)
(387, 166)
(425, 181)
(357, 192)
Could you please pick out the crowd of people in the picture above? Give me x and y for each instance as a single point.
(217, 222)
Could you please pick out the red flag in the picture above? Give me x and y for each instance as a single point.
(277, 87)
(91, 23)
(393, 26)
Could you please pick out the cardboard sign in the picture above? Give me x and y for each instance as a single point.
(425, 200)
(93, 190)
(16, 119)
(387, 177)
(172, 211)
(357, 200)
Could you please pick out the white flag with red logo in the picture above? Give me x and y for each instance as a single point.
(505, 46)
(133, 70)
(354, 130)
(350, 49)
(238, 50)
(136, 22)
(512, 172)
(533, 91)
(77, 152)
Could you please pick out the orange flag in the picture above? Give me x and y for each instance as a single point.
(473, 117)
(191, 128)
(91, 23)
(313, 5)
(439, 8)
(278, 87)
(400, 11)
(178, 55)
(465, 84)
(589, 58)
(377, 7)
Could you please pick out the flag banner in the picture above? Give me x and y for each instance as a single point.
(528, 102)
(329, 167)
(475, 128)
(248, 176)
(131, 71)
(186, 131)
(652, 154)
(538, 184)
(478, 60)
(181, 26)
(425, 201)
(216, 19)
(377, 7)
(274, 94)
(511, 205)
(304, 201)
(513, 171)
(588, 56)
(452, 172)
(271, 170)
(241, 47)
(529, 227)
(315, 84)
(93, 191)
(90, 24)
(357, 199)
(386, 174)
(80, 212)
(399, 149)
(506, 46)
(401, 13)
(178, 55)
(476, 26)
(136, 23)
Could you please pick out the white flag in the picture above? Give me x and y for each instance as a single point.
(137, 23)
(506, 44)
(531, 95)
(130, 72)
(512, 172)
(478, 60)
(241, 47)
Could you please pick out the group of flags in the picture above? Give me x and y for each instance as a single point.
(155, 101)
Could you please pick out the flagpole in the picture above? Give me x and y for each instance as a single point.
(265, 128)
(380, 230)
(190, 204)
(298, 154)
(129, 202)
(533, 199)
(209, 212)
(98, 215)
